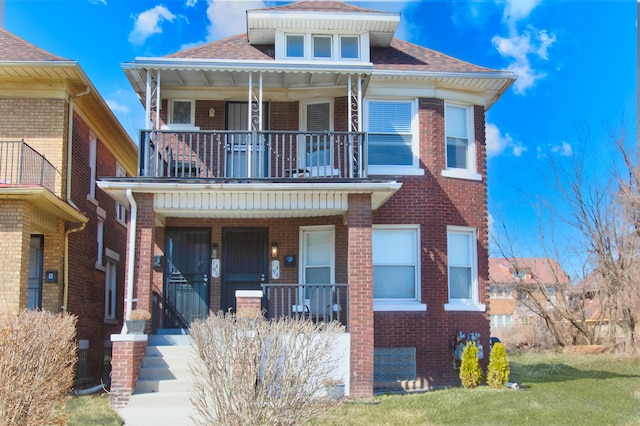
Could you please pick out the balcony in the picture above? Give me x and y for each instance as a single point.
(253, 154)
(21, 165)
(317, 302)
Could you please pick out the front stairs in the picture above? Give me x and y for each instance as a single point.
(162, 392)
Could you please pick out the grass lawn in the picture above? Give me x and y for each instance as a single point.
(557, 389)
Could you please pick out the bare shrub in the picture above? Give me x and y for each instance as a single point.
(37, 360)
(249, 371)
(525, 337)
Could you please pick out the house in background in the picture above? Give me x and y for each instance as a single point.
(326, 166)
(63, 240)
(511, 281)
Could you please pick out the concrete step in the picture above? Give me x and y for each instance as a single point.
(169, 340)
(160, 399)
(169, 352)
(165, 373)
(157, 415)
(165, 362)
(165, 385)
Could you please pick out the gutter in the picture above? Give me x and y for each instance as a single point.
(131, 256)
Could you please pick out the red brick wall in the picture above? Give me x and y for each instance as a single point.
(126, 360)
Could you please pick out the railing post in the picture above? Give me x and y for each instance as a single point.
(20, 159)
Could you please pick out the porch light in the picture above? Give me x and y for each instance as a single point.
(274, 250)
(214, 250)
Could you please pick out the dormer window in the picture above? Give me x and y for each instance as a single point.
(321, 47)
(295, 46)
(349, 47)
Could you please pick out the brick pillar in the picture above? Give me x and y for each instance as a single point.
(145, 239)
(249, 303)
(126, 357)
(15, 234)
(360, 295)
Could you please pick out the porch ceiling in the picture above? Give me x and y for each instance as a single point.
(250, 199)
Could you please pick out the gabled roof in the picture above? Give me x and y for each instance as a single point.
(321, 6)
(543, 271)
(13, 48)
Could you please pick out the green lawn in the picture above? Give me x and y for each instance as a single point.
(557, 389)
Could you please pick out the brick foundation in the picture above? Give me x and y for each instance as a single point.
(128, 351)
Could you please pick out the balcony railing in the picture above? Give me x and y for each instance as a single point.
(249, 154)
(317, 302)
(22, 165)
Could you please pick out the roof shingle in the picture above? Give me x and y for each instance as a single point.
(13, 48)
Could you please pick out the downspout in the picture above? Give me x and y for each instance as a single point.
(131, 255)
(70, 142)
(65, 294)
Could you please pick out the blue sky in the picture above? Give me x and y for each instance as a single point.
(575, 61)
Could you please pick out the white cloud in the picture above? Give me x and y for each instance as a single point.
(227, 18)
(103, 2)
(497, 143)
(117, 107)
(521, 49)
(563, 149)
(516, 10)
(191, 3)
(149, 23)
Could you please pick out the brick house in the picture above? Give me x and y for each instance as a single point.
(328, 167)
(512, 281)
(63, 240)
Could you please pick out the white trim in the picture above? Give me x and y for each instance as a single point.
(470, 307)
(472, 304)
(460, 174)
(303, 230)
(249, 293)
(111, 254)
(380, 306)
(192, 118)
(470, 172)
(395, 171)
(129, 337)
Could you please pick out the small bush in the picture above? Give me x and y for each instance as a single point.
(140, 314)
(498, 369)
(37, 360)
(470, 371)
(249, 371)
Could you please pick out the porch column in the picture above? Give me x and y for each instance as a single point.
(145, 238)
(360, 278)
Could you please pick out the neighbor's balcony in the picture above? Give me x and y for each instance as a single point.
(252, 154)
(317, 302)
(21, 165)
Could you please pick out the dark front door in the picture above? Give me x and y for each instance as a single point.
(34, 298)
(187, 253)
(244, 262)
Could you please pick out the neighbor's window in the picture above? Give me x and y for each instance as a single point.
(462, 269)
(322, 47)
(391, 129)
(110, 289)
(349, 48)
(395, 258)
(295, 46)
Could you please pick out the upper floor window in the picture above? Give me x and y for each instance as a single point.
(295, 46)
(349, 47)
(462, 269)
(121, 211)
(93, 153)
(322, 47)
(393, 136)
(460, 142)
(182, 112)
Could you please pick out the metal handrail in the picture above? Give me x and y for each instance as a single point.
(20, 164)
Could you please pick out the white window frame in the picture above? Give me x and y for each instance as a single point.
(331, 47)
(304, 46)
(192, 119)
(390, 169)
(93, 157)
(473, 303)
(470, 172)
(121, 211)
(339, 39)
(403, 304)
(110, 286)
(304, 232)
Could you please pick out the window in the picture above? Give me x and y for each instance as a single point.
(295, 46)
(100, 240)
(182, 112)
(110, 290)
(317, 267)
(349, 47)
(463, 270)
(322, 47)
(396, 270)
(121, 211)
(93, 148)
(393, 137)
(460, 142)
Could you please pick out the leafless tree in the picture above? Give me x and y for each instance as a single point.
(251, 371)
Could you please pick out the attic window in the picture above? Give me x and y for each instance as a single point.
(295, 46)
(322, 47)
(349, 47)
(522, 274)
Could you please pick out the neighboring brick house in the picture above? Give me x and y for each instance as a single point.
(512, 280)
(334, 167)
(63, 240)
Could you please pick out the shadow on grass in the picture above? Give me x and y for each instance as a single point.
(552, 372)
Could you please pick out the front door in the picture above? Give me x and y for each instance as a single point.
(34, 299)
(244, 262)
(186, 276)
